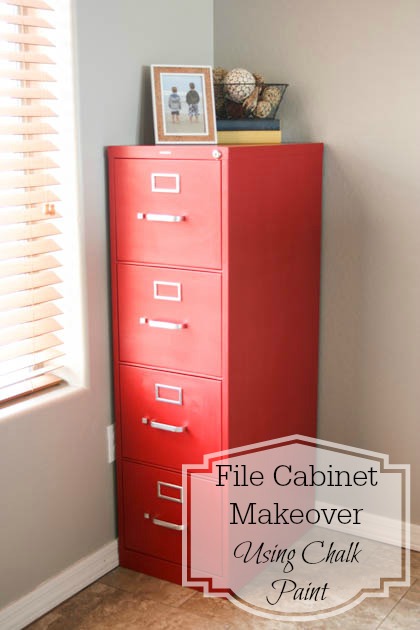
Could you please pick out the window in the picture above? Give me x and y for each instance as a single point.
(31, 178)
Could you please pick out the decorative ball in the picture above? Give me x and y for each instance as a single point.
(239, 84)
(219, 101)
(234, 110)
(219, 74)
(263, 109)
(272, 94)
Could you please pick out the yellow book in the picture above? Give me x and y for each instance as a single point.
(249, 136)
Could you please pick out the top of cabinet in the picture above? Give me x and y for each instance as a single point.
(206, 152)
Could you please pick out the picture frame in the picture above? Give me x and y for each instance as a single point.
(183, 104)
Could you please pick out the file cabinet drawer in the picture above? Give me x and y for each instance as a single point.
(169, 419)
(153, 511)
(168, 212)
(170, 318)
(153, 525)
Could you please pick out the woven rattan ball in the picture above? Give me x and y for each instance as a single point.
(219, 74)
(263, 109)
(239, 84)
(272, 94)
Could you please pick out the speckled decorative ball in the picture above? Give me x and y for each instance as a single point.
(263, 109)
(272, 94)
(239, 84)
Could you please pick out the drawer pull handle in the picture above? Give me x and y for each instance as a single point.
(168, 525)
(161, 218)
(167, 427)
(155, 323)
(163, 426)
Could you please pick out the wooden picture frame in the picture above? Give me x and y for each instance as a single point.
(183, 105)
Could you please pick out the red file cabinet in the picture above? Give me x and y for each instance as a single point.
(215, 255)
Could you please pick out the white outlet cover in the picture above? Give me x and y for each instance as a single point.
(110, 433)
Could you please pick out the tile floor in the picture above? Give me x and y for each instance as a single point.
(125, 600)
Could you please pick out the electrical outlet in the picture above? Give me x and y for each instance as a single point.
(110, 433)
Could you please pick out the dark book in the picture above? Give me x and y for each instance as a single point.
(249, 124)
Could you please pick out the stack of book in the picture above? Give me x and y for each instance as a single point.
(249, 131)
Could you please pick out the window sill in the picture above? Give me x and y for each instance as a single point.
(40, 400)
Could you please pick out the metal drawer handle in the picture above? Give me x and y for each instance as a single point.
(163, 426)
(168, 525)
(167, 427)
(162, 218)
(155, 323)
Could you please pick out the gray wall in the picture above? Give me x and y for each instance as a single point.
(56, 487)
(354, 70)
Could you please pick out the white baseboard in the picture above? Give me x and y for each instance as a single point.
(415, 537)
(378, 528)
(59, 588)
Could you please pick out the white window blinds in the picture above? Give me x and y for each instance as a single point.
(30, 342)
